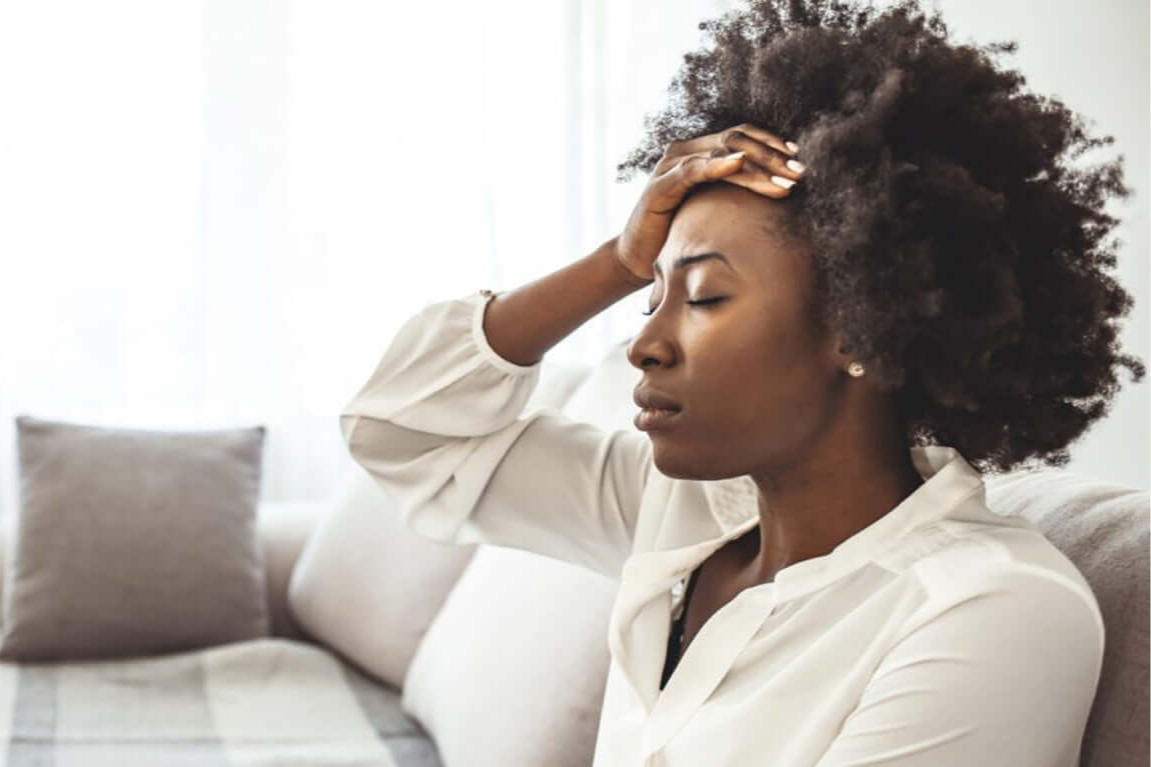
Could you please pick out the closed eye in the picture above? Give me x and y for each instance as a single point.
(703, 302)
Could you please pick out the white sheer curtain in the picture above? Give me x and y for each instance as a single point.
(216, 214)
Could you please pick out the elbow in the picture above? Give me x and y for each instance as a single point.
(347, 426)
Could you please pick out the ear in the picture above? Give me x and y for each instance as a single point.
(838, 353)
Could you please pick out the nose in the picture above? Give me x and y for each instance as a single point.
(644, 352)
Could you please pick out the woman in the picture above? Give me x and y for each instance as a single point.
(895, 289)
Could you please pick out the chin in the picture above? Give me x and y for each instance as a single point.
(667, 463)
(684, 466)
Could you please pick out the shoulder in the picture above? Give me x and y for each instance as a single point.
(1000, 653)
(1006, 565)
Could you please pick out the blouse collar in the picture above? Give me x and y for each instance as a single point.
(948, 480)
(640, 618)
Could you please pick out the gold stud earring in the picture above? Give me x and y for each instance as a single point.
(855, 369)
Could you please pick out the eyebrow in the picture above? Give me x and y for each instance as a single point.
(686, 261)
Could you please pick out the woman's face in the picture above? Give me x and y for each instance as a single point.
(757, 378)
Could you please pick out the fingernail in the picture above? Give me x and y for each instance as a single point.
(796, 166)
(786, 183)
(794, 147)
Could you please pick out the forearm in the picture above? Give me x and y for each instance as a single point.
(522, 324)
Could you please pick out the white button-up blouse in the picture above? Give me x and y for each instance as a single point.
(941, 635)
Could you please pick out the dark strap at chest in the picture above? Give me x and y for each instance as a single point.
(675, 638)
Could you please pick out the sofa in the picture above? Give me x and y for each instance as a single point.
(385, 648)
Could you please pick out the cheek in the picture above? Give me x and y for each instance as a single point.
(755, 395)
(760, 382)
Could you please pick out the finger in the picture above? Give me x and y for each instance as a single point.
(759, 186)
(757, 141)
(765, 157)
(769, 138)
(668, 190)
(760, 181)
(700, 169)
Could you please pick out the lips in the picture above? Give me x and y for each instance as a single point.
(649, 419)
(650, 399)
(657, 409)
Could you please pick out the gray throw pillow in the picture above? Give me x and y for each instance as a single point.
(132, 542)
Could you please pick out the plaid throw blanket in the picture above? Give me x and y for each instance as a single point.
(269, 701)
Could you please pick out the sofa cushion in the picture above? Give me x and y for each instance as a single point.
(367, 586)
(132, 542)
(513, 669)
(284, 528)
(1103, 529)
(258, 703)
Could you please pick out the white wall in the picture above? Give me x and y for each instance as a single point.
(244, 218)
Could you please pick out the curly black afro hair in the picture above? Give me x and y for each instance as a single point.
(960, 256)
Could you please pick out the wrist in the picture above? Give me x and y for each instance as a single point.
(628, 276)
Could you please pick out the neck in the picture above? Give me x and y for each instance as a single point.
(813, 505)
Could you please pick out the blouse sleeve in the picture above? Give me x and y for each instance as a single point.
(1004, 677)
(441, 425)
